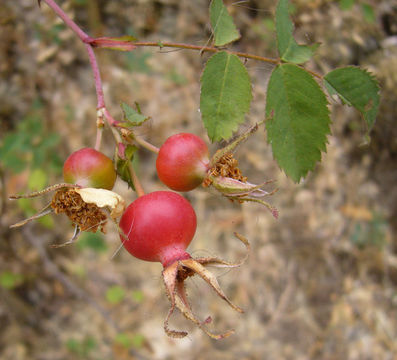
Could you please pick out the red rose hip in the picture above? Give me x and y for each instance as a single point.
(158, 226)
(182, 162)
(88, 167)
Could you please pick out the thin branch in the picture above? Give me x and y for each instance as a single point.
(138, 187)
(205, 49)
(214, 50)
(97, 77)
(68, 21)
(86, 39)
(147, 145)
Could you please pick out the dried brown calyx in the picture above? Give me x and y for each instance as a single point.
(174, 277)
(85, 207)
(226, 166)
(226, 177)
(88, 217)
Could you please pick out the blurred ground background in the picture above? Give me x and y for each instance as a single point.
(321, 280)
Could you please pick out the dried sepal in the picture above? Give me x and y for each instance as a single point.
(84, 206)
(176, 292)
(219, 263)
(232, 187)
(43, 212)
(174, 276)
(76, 234)
(103, 199)
(169, 278)
(240, 191)
(210, 278)
(270, 207)
(226, 167)
(183, 305)
(226, 177)
(228, 149)
(42, 192)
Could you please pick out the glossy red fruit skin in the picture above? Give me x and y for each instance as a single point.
(88, 167)
(183, 161)
(158, 226)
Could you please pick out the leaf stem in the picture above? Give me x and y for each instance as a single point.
(214, 50)
(206, 49)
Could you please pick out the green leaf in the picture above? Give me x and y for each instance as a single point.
(37, 180)
(93, 241)
(225, 95)
(288, 48)
(346, 4)
(128, 340)
(131, 116)
(124, 340)
(26, 206)
(368, 12)
(9, 280)
(299, 123)
(137, 296)
(222, 24)
(47, 221)
(122, 165)
(138, 340)
(355, 87)
(83, 347)
(115, 294)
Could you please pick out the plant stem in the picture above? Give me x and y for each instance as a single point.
(147, 145)
(102, 112)
(97, 77)
(214, 50)
(98, 138)
(205, 49)
(138, 187)
(110, 119)
(68, 21)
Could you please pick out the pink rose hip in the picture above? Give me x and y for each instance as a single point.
(159, 227)
(183, 162)
(88, 167)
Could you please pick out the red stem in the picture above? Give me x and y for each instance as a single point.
(86, 39)
(205, 49)
(138, 186)
(97, 78)
(214, 50)
(68, 21)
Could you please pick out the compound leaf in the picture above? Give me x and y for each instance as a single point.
(299, 120)
(225, 95)
(289, 50)
(222, 24)
(355, 87)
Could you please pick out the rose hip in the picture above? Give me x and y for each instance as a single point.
(88, 167)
